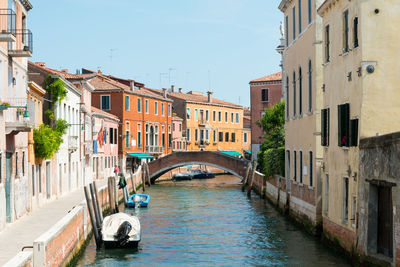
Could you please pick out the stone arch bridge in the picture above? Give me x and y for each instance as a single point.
(233, 165)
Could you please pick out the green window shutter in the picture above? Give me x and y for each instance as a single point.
(347, 123)
(328, 112)
(354, 132)
(340, 130)
(323, 127)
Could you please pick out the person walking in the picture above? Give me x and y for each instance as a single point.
(116, 170)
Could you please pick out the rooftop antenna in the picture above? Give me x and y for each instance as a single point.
(111, 57)
(161, 74)
(169, 76)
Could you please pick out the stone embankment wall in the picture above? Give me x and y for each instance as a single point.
(60, 243)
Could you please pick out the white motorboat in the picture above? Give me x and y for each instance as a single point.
(121, 230)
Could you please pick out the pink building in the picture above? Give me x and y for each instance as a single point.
(178, 140)
(264, 93)
(105, 143)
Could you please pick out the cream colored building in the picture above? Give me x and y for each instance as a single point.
(302, 81)
(361, 98)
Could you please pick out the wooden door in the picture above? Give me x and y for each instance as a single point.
(385, 221)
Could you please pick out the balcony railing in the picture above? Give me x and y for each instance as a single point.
(202, 122)
(20, 115)
(72, 143)
(7, 25)
(23, 47)
(154, 149)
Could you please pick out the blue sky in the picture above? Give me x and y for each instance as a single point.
(194, 44)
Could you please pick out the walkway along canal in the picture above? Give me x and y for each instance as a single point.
(212, 222)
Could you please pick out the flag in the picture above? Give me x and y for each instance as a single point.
(100, 137)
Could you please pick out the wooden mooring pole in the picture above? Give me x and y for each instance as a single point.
(92, 219)
(98, 201)
(244, 181)
(110, 195)
(253, 171)
(96, 211)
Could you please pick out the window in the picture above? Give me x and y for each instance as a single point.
(237, 117)
(343, 125)
(214, 115)
(127, 105)
(16, 164)
(300, 92)
(115, 136)
(180, 127)
(355, 32)
(300, 17)
(265, 95)
(226, 116)
(354, 132)
(188, 113)
(219, 116)
(232, 117)
(294, 22)
(287, 31)
(162, 109)
(233, 137)
(111, 135)
(201, 115)
(294, 93)
(139, 135)
(163, 136)
(207, 135)
(287, 164)
(309, 11)
(173, 127)
(295, 166)
(139, 105)
(169, 137)
(105, 103)
(146, 106)
(196, 135)
(301, 166)
(201, 135)
(327, 44)
(345, 200)
(127, 135)
(196, 114)
(311, 173)
(326, 195)
(309, 86)
(221, 137)
(287, 97)
(245, 137)
(346, 31)
(188, 134)
(325, 127)
(214, 136)
(155, 107)
(226, 137)
(206, 115)
(169, 110)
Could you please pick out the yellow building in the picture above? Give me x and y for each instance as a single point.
(36, 168)
(360, 99)
(211, 124)
(302, 82)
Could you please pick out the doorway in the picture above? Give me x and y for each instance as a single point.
(8, 187)
(385, 221)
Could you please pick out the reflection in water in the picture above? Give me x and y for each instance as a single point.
(211, 222)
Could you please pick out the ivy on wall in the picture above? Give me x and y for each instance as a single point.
(48, 138)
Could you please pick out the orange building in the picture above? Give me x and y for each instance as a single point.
(145, 117)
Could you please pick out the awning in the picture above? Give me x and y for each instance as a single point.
(140, 155)
(248, 151)
(232, 153)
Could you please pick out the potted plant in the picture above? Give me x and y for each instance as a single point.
(4, 105)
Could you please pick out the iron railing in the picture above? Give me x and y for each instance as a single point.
(7, 21)
(154, 149)
(17, 109)
(24, 44)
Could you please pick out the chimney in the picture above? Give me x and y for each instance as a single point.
(180, 90)
(172, 88)
(41, 64)
(132, 85)
(164, 90)
(64, 71)
(209, 93)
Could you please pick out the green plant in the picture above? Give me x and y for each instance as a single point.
(56, 88)
(273, 161)
(48, 140)
(5, 104)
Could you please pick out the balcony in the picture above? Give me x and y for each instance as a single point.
(7, 22)
(154, 149)
(24, 45)
(19, 115)
(202, 123)
(72, 143)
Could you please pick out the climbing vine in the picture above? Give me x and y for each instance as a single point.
(48, 138)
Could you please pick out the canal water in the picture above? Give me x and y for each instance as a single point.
(212, 223)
